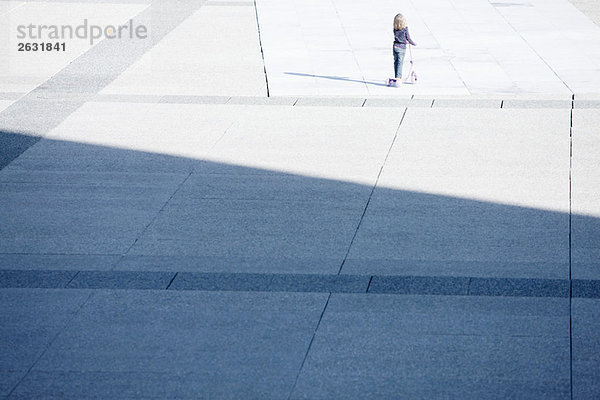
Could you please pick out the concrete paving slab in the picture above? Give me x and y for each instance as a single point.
(355, 387)
(71, 219)
(326, 101)
(587, 96)
(63, 262)
(389, 360)
(5, 96)
(35, 279)
(399, 103)
(521, 104)
(586, 346)
(174, 67)
(470, 158)
(586, 104)
(13, 145)
(277, 101)
(586, 288)
(221, 282)
(22, 71)
(479, 269)
(320, 283)
(272, 187)
(126, 98)
(4, 104)
(585, 194)
(22, 346)
(228, 264)
(216, 337)
(84, 159)
(479, 286)
(9, 379)
(120, 280)
(193, 128)
(110, 179)
(586, 265)
(457, 315)
(474, 185)
(519, 287)
(467, 103)
(253, 228)
(467, 234)
(341, 143)
(188, 385)
(419, 285)
(589, 8)
(194, 99)
(31, 318)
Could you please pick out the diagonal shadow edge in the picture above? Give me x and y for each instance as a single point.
(283, 242)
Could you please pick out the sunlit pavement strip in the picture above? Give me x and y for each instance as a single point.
(167, 230)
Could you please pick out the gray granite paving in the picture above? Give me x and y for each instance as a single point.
(42, 262)
(132, 269)
(194, 99)
(519, 287)
(467, 103)
(278, 101)
(30, 321)
(213, 344)
(419, 285)
(423, 347)
(121, 280)
(35, 279)
(330, 101)
(586, 348)
(515, 103)
(279, 282)
(586, 104)
(224, 281)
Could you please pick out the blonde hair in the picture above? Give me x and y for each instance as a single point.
(399, 22)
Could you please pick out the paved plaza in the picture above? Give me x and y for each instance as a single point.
(232, 204)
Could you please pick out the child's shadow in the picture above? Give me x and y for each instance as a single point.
(338, 78)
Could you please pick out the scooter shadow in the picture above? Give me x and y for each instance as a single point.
(338, 78)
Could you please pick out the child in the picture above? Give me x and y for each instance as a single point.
(401, 38)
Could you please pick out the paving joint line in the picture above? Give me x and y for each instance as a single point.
(312, 339)
(172, 280)
(369, 285)
(571, 245)
(530, 46)
(262, 54)
(362, 75)
(83, 303)
(72, 279)
(372, 190)
(156, 216)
